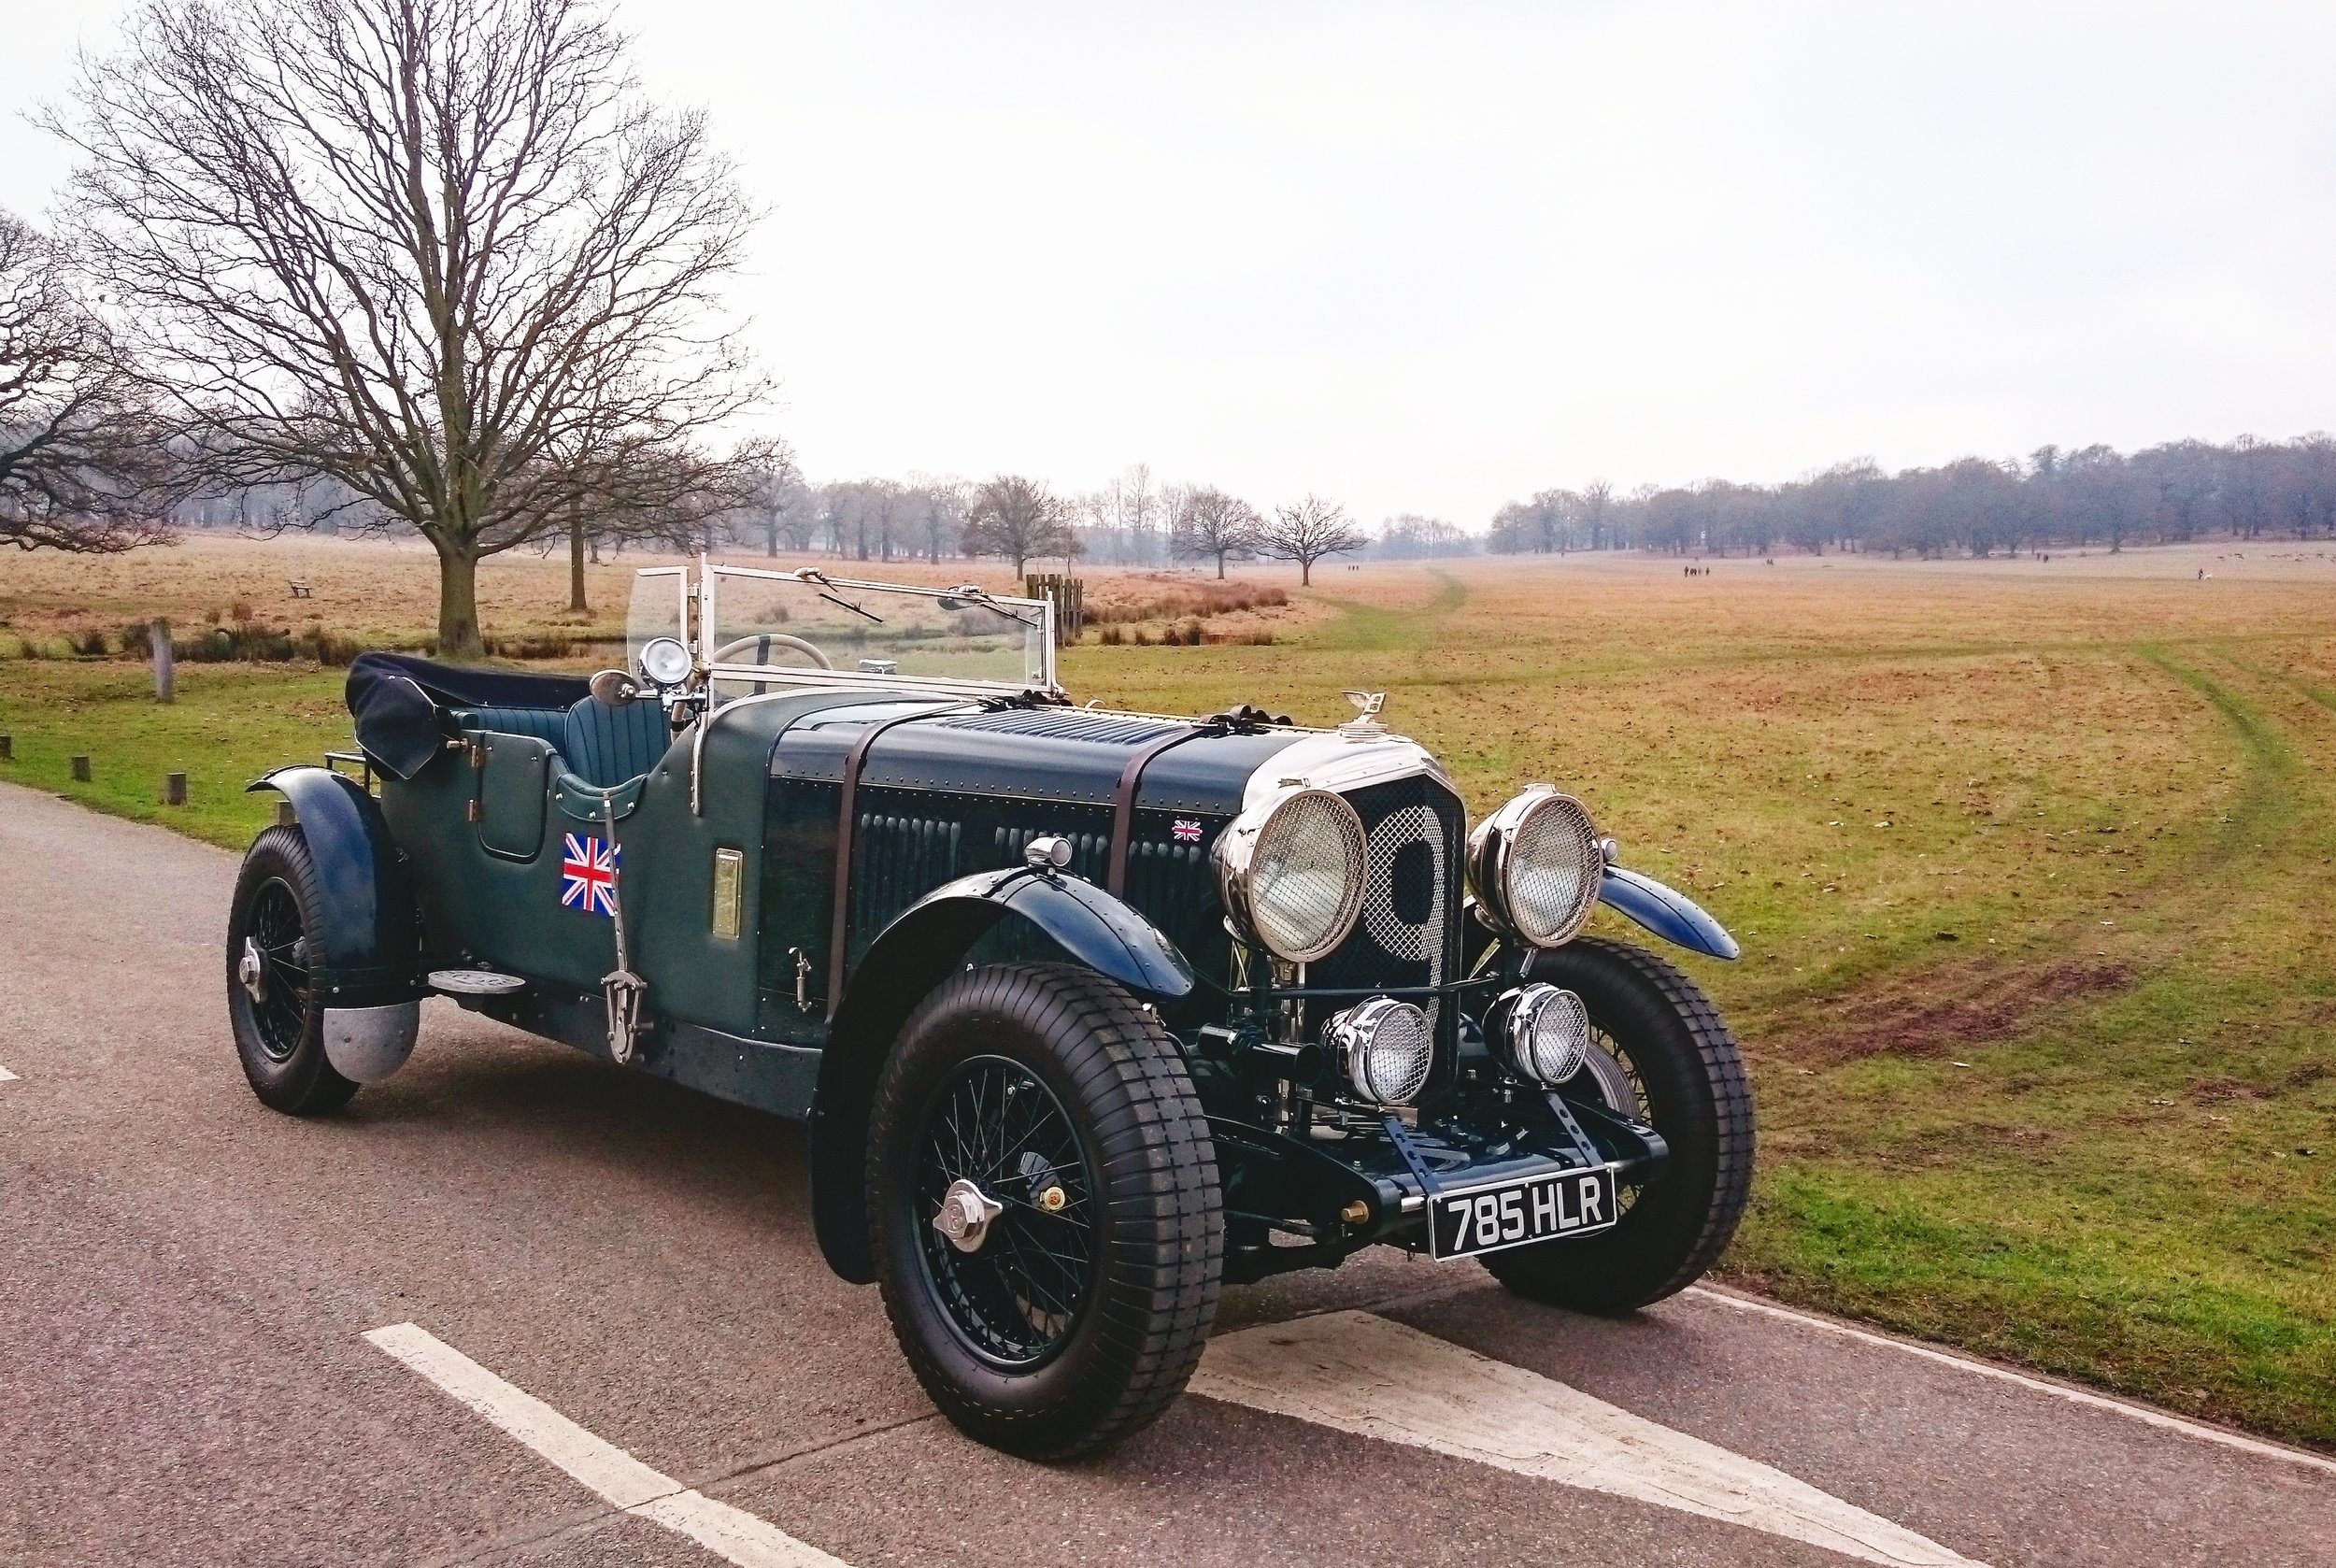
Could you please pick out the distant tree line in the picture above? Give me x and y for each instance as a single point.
(2088, 496)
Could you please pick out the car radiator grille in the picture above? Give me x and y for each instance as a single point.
(1409, 932)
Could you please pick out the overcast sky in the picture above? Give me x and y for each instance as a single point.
(1432, 257)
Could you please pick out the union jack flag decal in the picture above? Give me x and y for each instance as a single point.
(588, 875)
(1187, 830)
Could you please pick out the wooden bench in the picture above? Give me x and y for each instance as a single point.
(301, 591)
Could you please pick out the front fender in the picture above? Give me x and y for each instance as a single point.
(371, 943)
(913, 955)
(1669, 914)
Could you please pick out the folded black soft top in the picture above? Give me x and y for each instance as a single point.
(398, 702)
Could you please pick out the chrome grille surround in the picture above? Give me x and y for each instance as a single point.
(1413, 826)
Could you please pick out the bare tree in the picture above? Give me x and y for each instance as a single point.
(439, 250)
(84, 461)
(1204, 522)
(777, 491)
(1139, 512)
(1018, 518)
(1596, 505)
(939, 507)
(1306, 532)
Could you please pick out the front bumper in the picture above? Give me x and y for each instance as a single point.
(1310, 1202)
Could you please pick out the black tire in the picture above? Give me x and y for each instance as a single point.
(1131, 1251)
(279, 1032)
(1682, 1067)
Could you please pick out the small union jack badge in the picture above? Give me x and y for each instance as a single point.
(1188, 830)
(588, 875)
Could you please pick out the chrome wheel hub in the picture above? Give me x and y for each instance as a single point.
(965, 1214)
(250, 969)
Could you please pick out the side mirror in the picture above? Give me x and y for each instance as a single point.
(614, 688)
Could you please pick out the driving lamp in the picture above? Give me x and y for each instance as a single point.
(665, 660)
(1291, 869)
(1536, 865)
(1541, 1032)
(1385, 1047)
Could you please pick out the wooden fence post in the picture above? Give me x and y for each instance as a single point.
(80, 770)
(7, 749)
(165, 670)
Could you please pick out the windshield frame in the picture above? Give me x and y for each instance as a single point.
(1038, 614)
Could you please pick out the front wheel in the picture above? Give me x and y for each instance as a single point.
(271, 1009)
(1661, 1054)
(1043, 1205)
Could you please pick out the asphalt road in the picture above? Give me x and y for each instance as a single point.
(624, 1347)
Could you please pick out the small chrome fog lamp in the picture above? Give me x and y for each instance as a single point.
(1541, 1032)
(1385, 1047)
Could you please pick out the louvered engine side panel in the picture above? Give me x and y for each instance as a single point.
(908, 842)
(1172, 882)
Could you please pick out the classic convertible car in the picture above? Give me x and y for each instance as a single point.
(1086, 1012)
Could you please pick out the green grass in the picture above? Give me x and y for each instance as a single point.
(229, 723)
(2037, 890)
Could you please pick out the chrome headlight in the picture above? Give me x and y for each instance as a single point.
(1536, 865)
(1540, 1031)
(1385, 1047)
(1291, 871)
(666, 661)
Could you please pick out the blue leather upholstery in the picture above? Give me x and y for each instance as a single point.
(544, 723)
(606, 745)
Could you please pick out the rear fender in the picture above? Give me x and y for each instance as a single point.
(915, 953)
(370, 941)
(1669, 914)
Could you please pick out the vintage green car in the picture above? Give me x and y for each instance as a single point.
(1086, 1012)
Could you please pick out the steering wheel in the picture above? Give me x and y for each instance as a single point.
(764, 642)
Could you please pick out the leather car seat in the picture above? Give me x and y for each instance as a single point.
(606, 747)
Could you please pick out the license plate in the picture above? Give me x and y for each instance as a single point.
(1512, 1213)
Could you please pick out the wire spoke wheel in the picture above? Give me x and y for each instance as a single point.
(1043, 1208)
(1016, 1296)
(1659, 1054)
(1622, 1086)
(279, 1007)
(274, 975)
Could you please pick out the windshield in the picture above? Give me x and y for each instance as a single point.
(766, 630)
(661, 596)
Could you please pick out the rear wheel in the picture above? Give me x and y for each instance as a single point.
(1045, 1210)
(272, 1008)
(1662, 1054)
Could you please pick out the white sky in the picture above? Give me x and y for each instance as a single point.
(1431, 257)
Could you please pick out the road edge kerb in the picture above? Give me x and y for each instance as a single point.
(2149, 1415)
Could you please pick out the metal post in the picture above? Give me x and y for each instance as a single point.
(174, 789)
(165, 670)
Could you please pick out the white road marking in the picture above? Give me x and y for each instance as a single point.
(2141, 1413)
(6, 1076)
(624, 1481)
(1367, 1375)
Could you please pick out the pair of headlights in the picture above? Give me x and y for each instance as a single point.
(1292, 867)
